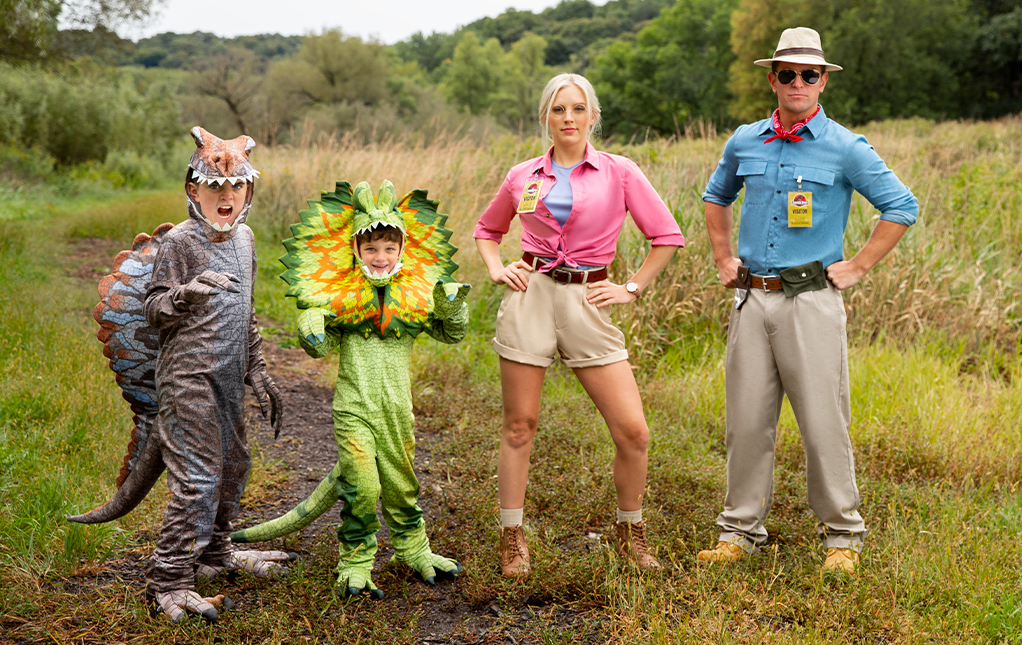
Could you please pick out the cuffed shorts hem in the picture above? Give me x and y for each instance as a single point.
(598, 361)
(519, 356)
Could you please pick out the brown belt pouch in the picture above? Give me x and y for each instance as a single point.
(802, 278)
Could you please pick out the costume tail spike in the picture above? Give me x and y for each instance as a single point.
(138, 477)
(299, 517)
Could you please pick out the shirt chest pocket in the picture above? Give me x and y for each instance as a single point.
(753, 174)
(818, 181)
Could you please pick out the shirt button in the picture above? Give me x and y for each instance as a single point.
(782, 165)
(771, 246)
(778, 192)
(775, 219)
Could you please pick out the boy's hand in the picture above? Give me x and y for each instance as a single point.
(312, 325)
(207, 284)
(445, 305)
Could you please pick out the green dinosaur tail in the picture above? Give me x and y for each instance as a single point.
(297, 518)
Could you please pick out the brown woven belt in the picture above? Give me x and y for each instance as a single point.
(765, 283)
(566, 276)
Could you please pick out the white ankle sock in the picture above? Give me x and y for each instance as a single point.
(511, 517)
(635, 517)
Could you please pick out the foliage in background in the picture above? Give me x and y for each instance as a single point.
(673, 74)
(79, 114)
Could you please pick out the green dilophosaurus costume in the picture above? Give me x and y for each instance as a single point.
(372, 321)
(178, 325)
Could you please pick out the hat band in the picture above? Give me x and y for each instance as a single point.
(794, 51)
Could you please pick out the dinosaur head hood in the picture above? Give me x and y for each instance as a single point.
(216, 161)
(369, 215)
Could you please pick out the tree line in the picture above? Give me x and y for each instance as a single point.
(659, 66)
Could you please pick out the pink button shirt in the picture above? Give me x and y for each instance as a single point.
(603, 188)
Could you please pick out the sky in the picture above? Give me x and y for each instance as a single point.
(387, 20)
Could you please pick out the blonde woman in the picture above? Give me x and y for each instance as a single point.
(571, 202)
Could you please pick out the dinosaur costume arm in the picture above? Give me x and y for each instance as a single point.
(314, 336)
(449, 321)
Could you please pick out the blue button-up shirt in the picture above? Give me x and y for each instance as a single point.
(832, 163)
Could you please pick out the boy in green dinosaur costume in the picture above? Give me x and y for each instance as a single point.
(344, 270)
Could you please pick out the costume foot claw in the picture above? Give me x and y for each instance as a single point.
(176, 605)
(430, 566)
(263, 564)
(356, 581)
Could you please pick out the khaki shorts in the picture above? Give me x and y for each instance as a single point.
(551, 318)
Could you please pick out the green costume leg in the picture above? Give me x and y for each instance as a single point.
(395, 443)
(359, 487)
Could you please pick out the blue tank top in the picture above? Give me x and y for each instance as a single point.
(558, 201)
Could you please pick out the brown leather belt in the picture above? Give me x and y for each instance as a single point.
(572, 276)
(765, 283)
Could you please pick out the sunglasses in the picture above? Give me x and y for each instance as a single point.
(809, 76)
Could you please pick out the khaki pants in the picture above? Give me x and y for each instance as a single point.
(795, 346)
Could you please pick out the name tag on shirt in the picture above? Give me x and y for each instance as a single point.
(800, 209)
(530, 195)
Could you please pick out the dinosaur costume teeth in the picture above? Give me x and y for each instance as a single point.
(215, 161)
(372, 321)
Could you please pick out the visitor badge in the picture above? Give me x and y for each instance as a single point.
(530, 195)
(800, 209)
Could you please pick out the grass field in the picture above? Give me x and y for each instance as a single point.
(936, 402)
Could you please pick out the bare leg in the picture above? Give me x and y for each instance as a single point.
(522, 386)
(612, 388)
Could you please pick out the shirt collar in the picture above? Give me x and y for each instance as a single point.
(545, 163)
(814, 125)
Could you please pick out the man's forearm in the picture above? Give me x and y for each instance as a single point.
(718, 227)
(882, 240)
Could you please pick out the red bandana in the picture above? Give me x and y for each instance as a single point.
(789, 135)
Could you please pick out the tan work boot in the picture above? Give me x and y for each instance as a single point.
(723, 552)
(841, 560)
(631, 543)
(514, 555)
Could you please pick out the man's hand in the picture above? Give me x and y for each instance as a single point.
(727, 271)
(445, 305)
(207, 284)
(845, 274)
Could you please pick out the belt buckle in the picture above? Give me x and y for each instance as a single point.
(556, 272)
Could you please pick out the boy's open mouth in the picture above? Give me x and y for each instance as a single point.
(225, 212)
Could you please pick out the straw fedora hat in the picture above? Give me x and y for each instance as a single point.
(800, 45)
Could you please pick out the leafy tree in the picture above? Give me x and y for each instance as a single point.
(231, 78)
(27, 27)
(897, 55)
(428, 51)
(334, 68)
(524, 77)
(993, 70)
(674, 73)
(475, 73)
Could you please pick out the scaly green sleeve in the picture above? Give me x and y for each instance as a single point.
(452, 330)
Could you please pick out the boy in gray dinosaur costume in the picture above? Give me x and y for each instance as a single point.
(201, 301)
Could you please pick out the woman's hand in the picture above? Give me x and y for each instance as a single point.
(605, 293)
(515, 275)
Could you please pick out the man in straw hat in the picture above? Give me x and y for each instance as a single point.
(787, 329)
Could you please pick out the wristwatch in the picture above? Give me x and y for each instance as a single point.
(633, 288)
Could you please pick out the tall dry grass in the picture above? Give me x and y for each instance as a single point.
(955, 274)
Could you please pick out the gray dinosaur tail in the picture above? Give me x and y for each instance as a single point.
(297, 518)
(142, 468)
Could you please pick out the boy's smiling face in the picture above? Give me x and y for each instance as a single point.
(220, 205)
(380, 255)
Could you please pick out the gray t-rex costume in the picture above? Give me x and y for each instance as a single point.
(198, 283)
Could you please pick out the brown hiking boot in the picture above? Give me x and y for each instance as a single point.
(841, 560)
(514, 555)
(631, 543)
(723, 552)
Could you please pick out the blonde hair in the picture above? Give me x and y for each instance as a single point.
(555, 85)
